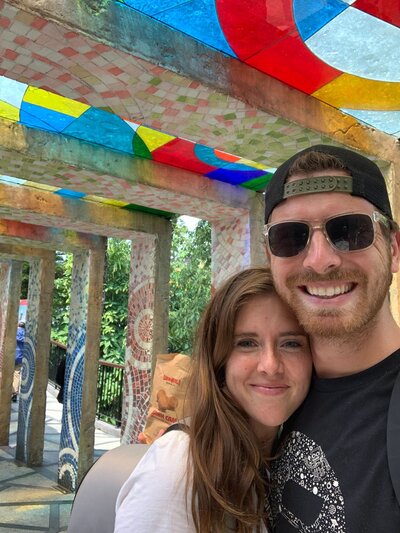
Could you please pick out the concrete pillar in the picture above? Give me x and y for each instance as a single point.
(79, 408)
(256, 226)
(10, 290)
(35, 364)
(238, 243)
(394, 191)
(147, 324)
(5, 267)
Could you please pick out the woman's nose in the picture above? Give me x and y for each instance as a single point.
(269, 361)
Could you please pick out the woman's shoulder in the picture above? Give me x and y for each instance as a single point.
(173, 442)
(166, 458)
(155, 497)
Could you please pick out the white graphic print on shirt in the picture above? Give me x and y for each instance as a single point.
(303, 479)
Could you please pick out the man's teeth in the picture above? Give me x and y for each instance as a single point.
(328, 292)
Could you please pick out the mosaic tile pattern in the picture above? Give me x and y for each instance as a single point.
(230, 245)
(74, 370)
(45, 110)
(107, 186)
(307, 45)
(28, 361)
(42, 54)
(137, 380)
(39, 52)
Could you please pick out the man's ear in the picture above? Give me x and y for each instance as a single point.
(395, 251)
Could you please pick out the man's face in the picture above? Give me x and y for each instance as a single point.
(334, 294)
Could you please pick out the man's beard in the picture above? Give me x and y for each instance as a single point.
(333, 323)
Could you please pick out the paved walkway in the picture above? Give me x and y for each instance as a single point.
(30, 499)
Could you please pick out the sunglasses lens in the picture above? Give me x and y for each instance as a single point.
(350, 232)
(287, 239)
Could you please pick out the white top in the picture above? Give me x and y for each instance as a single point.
(154, 498)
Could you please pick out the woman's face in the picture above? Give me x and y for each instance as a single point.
(269, 369)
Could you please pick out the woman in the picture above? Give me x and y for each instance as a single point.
(251, 370)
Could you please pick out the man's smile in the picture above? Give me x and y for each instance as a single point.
(330, 291)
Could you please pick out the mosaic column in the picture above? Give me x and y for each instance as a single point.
(80, 394)
(35, 362)
(147, 325)
(10, 290)
(237, 244)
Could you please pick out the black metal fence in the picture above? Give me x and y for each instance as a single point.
(57, 354)
(110, 384)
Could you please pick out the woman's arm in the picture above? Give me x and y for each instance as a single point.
(153, 499)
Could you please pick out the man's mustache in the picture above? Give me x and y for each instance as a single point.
(305, 278)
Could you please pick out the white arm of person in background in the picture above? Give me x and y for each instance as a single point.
(154, 499)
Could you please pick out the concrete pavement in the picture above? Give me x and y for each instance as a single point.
(30, 499)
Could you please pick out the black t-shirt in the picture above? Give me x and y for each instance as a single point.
(333, 474)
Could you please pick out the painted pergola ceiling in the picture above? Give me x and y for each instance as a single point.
(67, 50)
(37, 108)
(343, 52)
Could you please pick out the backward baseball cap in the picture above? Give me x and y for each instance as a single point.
(366, 181)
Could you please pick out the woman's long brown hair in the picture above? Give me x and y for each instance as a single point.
(225, 457)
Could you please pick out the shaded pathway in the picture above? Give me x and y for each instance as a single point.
(30, 499)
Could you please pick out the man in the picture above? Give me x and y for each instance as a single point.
(333, 247)
(18, 359)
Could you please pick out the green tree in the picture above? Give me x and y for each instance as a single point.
(25, 280)
(190, 283)
(190, 287)
(115, 306)
(115, 300)
(61, 297)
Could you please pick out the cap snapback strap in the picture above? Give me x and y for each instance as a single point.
(318, 184)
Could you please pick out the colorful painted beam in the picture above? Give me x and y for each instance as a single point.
(49, 159)
(16, 232)
(120, 30)
(44, 110)
(37, 205)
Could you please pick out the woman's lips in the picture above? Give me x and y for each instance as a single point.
(270, 389)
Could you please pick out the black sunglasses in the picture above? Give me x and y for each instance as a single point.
(349, 232)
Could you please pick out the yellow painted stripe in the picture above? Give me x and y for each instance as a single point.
(252, 164)
(54, 102)
(41, 186)
(9, 111)
(153, 139)
(108, 201)
(353, 92)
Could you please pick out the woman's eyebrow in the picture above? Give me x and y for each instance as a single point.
(291, 332)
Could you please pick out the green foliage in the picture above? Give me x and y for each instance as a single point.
(24, 280)
(190, 287)
(61, 297)
(190, 283)
(115, 305)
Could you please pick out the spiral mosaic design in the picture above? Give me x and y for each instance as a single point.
(143, 329)
(140, 338)
(74, 374)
